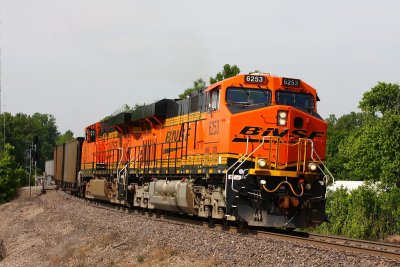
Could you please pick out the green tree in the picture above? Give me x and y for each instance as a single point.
(123, 108)
(11, 174)
(338, 131)
(365, 146)
(337, 210)
(198, 85)
(373, 152)
(227, 72)
(21, 128)
(137, 106)
(65, 137)
(382, 98)
(368, 212)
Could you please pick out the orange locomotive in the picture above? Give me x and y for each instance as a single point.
(248, 149)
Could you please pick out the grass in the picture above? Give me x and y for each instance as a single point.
(162, 254)
(394, 239)
(140, 258)
(80, 252)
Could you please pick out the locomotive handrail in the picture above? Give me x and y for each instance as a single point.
(275, 165)
(257, 148)
(301, 163)
(125, 169)
(321, 162)
(233, 165)
(119, 162)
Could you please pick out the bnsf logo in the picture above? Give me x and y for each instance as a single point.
(252, 130)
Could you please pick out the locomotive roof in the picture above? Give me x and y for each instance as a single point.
(167, 108)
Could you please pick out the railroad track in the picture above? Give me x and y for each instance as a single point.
(380, 249)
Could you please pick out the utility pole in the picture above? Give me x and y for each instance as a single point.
(4, 115)
(4, 138)
(0, 68)
(31, 159)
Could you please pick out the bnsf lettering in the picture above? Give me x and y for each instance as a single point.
(300, 133)
(253, 130)
(213, 128)
(177, 135)
(275, 132)
(172, 136)
(315, 134)
(250, 130)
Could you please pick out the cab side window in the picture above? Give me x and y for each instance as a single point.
(90, 135)
(214, 100)
(93, 136)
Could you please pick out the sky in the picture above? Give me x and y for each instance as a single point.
(81, 60)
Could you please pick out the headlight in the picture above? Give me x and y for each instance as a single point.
(263, 182)
(282, 114)
(262, 163)
(282, 117)
(312, 166)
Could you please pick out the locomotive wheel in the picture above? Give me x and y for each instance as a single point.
(211, 222)
(225, 222)
(241, 224)
(158, 213)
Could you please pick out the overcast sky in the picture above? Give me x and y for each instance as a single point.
(81, 60)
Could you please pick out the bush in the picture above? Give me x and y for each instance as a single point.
(10, 174)
(365, 213)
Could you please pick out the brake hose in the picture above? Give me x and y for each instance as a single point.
(291, 188)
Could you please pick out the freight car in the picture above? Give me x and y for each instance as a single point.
(67, 159)
(248, 149)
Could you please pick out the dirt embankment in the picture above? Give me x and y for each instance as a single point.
(55, 229)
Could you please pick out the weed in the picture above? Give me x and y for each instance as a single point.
(140, 258)
(55, 260)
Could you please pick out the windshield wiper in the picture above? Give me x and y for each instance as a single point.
(247, 104)
(238, 103)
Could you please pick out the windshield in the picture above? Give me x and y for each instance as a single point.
(246, 96)
(245, 99)
(298, 100)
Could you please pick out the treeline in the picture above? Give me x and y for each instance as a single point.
(365, 146)
(16, 134)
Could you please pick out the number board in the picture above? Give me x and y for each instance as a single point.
(254, 79)
(288, 82)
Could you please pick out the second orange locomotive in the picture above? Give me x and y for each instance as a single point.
(247, 149)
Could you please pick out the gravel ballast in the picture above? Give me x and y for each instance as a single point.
(56, 229)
